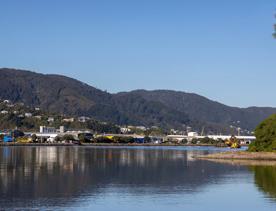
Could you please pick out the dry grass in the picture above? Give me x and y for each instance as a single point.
(257, 156)
(244, 162)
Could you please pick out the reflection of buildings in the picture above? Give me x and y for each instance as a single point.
(31, 173)
(35, 161)
(38, 163)
(23, 162)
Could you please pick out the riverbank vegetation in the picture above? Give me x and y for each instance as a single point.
(265, 136)
(208, 141)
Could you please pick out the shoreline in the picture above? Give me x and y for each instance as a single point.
(106, 144)
(236, 162)
(239, 156)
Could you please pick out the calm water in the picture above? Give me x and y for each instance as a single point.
(151, 178)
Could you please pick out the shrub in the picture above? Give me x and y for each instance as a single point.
(103, 140)
(83, 137)
(34, 138)
(68, 137)
(58, 139)
(147, 139)
(194, 141)
(184, 141)
(118, 139)
(265, 136)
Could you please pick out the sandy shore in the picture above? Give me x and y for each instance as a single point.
(240, 155)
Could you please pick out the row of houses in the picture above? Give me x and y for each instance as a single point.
(10, 108)
(194, 135)
(49, 134)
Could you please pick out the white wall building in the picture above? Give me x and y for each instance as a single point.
(43, 129)
(28, 114)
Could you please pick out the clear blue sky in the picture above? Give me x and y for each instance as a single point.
(221, 49)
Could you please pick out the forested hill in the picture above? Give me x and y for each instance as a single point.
(205, 110)
(163, 108)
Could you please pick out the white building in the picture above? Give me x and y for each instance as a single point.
(7, 101)
(68, 120)
(44, 129)
(4, 112)
(125, 130)
(61, 129)
(141, 128)
(28, 114)
(83, 119)
(51, 119)
(192, 134)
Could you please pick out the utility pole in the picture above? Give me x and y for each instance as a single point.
(202, 131)
(239, 130)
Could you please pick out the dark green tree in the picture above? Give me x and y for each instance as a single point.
(147, 139)
(184, 141)
(86, 138)
(58, 139)
(34, 138)
(194, 141)
(265, 136)
(68, 137)
(102, 140)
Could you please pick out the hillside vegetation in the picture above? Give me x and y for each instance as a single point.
(26, 118)
(162, 108)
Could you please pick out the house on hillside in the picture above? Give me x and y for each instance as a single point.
(143, 128)
(6, 101)
(51, 119)
(28, 115)
(68, 120)
(125, 130)
(4, 112)
(83, 119)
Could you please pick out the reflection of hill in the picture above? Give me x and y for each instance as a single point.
(265, 179)
(31, 173)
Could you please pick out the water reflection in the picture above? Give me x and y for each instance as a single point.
(55, 176)
(264, 173)
(265, 179)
